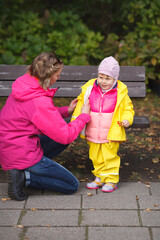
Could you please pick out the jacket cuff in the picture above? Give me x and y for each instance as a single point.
(85, 117)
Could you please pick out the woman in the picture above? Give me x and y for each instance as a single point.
(32, 130)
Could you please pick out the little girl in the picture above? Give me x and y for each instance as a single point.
(111, 110)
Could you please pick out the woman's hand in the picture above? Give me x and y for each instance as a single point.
(125, 123)
(72, 106)
(86, 107)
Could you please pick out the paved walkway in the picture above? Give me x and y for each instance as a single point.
(131, 212)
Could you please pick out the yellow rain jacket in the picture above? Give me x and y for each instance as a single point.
(123, 110)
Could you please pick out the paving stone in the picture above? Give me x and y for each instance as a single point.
(49, 192)
(110, 201)
(83, 190)
(118, 233)
(134, 188)
(150, 218)
(152, 202)
(10, 204)
(10, 233)
(54, 202)
(156, 233)
(4, 189)
(113, 215)
(109, 218)
(50, 218)
(9, 217)
(33, 191)
(58, 233)
(130, 188)
(155, 189)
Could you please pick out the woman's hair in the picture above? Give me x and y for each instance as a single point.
(44, 66)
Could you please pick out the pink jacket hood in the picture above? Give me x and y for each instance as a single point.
(27, 87)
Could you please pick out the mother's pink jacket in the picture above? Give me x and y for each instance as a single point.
(30, 111)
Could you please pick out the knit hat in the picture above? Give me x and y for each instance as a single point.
(109, 66)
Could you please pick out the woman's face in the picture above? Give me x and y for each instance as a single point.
(55, 76)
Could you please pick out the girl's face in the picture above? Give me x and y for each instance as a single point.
(104, 81)
(55, 76)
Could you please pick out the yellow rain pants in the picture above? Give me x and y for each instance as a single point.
(105, 160)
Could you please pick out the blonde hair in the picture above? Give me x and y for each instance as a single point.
(44, 66)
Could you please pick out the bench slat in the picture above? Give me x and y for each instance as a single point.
(140, 122)
(70, 89)
(76, 73)
(74, 89)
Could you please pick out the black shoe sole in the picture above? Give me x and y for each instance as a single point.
(12, 193)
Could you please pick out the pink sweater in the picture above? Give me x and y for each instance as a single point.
(30, 111)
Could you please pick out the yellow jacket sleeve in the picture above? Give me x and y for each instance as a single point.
(77, 110)
(128, 112)
(80, 98)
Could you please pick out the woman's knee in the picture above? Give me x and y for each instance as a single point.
(74, 187)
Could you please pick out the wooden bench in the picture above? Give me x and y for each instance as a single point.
(73, 77)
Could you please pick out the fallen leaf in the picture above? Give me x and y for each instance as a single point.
(156, 205)
(150, 134)
(143, 155)
(5, 199)
(89, 194)
(19, 226)
(149, 139)
(33, 209)
(81, 166)
(127, 164)
(148, 210)
(135, 175)
(82, 180)
(155, 160)
(147, 183)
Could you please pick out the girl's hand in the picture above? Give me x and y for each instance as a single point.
(86, 107)
(125, 123)
(72, 106)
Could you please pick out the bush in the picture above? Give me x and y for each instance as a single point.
(141, 45)
(64, 32)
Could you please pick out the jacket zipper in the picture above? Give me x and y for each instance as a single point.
(99, 122)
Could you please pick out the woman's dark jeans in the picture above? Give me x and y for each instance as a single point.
(47, 174)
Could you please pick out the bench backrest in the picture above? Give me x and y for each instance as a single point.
(73, 77)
